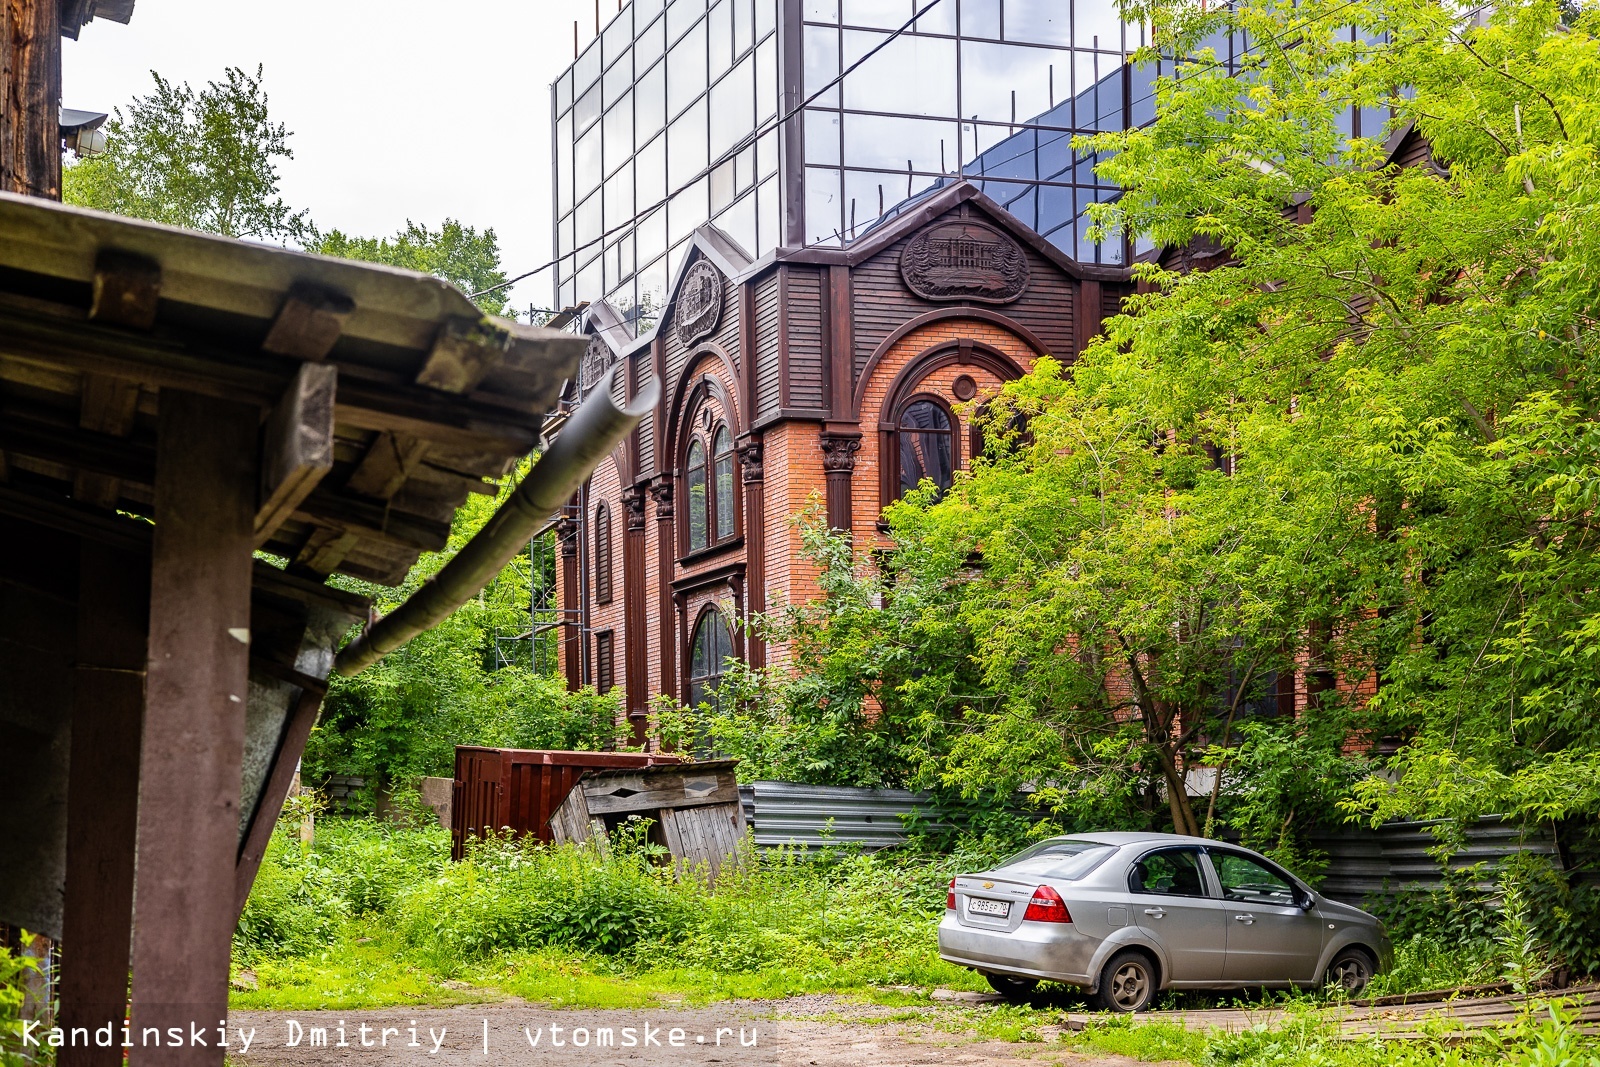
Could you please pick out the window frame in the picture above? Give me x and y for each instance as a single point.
(604, 561)
(719, 669)
(953, 434)
(706, 438)
(1202, 861)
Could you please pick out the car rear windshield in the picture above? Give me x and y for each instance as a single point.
(1066, 860)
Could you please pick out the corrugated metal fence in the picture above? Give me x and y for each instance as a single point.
(1388, 861)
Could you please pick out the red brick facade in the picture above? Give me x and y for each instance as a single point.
(811, 358)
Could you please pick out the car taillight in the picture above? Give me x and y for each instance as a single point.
(1046, 907)
(950, 897)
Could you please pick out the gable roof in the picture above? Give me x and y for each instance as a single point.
(935, 207)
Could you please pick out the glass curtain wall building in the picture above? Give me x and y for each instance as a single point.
(802, 122)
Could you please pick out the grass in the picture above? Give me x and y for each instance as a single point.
(373, 915)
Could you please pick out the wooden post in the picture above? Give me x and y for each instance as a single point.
(190, 758)
(571, 604)
(666, 567)
(636, 662)
(30, 97)
(103, 797)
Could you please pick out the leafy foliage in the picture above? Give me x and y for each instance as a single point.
(459, 254)
(402, 718)
(207, 160)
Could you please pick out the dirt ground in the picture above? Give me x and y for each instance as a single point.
(799, 1032)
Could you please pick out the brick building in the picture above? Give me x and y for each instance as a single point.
(838, 376)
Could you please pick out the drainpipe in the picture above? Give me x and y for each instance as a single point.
(593, 431)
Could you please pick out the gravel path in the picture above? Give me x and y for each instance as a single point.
(800, 1032)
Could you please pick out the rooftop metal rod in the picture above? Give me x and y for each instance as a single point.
(593, 431)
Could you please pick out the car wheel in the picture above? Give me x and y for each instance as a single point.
(1128, 983)
(1014, 988)
(1350, 971)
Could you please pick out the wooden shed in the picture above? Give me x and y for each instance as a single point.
(519, 789)
(694, 807)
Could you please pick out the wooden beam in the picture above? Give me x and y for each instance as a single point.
(375, 521)
(309, 323)
(302, 717)
(325, 549)
(389, 462)
(463, 352)
(108, 406)
(297, 446)
(127, 290)
(59, 337)
(30, 98)
(191, 754)
(103, 795)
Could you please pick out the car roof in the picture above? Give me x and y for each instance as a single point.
(1120, 838)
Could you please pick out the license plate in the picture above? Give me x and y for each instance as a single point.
(1000, 909)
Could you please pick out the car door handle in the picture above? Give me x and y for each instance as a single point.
(1155, 913)
(1246, 919)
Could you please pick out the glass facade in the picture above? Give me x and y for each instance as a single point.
(671, 117)
(663, 92)
(994, 89)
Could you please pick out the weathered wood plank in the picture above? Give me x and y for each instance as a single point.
(297, 446)
(108, 406)
(463, 352)
(191, 753)
(389, 462)
(309, 323)
(103, 794)
(660, 798)
(127, 290)
(30, 94)
(275, 791)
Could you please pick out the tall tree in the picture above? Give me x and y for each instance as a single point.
(459, 254)
(207, 160)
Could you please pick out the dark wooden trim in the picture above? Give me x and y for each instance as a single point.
(1086, 314)
(746, 357)
(193, 743)
(772, 418)
(839, 336)
(661, 491)
(103, 794)
(636, 662)
(275, 790)
(571, 608)
(691, 583)
(751, 470)
(994, 318)
(784, 399)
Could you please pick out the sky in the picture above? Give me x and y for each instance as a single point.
(399, 109)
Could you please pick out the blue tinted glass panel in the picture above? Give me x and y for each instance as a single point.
(980, 18)
(686, 145)
(822, 64)
(733, 113)
(877, 14)
(821, 10)
(650, 103)
(822, 137)
(681, 14)
(824, 220)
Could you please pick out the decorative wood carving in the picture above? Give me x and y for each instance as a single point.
(965, 260)
(699, 304)
(633, 504)
(661, 493)
(597, 359)
(749, 451)
(964, 387)
(839, 451)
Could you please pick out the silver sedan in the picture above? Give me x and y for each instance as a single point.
(1125, 915)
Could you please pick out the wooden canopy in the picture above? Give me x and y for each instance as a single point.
(170, 403)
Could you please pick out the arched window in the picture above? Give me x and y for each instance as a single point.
(708, 658)
(602, 554)
(695, 499)
(722, 489)
(711, 500)
(927, 445)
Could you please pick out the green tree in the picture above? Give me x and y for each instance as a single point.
(207, 160)
(461, 255)
(403, 717)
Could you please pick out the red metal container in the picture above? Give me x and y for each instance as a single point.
(519, 788)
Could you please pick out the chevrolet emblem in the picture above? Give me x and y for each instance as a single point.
(988, 885)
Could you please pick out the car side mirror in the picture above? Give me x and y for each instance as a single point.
(1306, 901)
